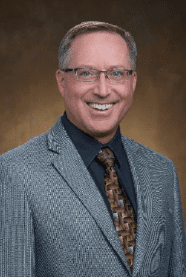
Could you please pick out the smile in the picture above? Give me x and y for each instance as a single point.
(100, 107)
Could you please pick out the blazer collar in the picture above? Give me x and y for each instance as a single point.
(143, 186)
(70, 166)
(57, 136)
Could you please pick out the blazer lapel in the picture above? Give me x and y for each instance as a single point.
(141, 180)
(70, 165)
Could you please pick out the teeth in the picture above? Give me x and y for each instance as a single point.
(101, 107)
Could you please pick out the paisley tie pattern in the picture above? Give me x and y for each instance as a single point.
(121, 208)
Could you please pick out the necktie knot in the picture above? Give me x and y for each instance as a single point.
(106, 156)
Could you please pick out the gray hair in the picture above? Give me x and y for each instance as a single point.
(92, 27)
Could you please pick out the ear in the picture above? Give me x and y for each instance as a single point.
(134, 80)
(60, 76)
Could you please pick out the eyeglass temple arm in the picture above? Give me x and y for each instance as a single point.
(130, 71)
(67, 69)
(70, 69)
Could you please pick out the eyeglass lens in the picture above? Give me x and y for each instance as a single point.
(114, 75)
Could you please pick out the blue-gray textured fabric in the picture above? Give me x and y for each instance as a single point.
(54, 221)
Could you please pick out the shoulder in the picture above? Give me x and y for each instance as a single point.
(39, 149)
(25, 152)
(142, 152)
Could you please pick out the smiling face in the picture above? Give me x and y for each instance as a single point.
(101, 51)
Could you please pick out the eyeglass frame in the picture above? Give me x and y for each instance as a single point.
(129, 71)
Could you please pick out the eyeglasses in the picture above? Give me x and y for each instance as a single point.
(117, 75)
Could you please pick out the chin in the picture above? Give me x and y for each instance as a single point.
(102, 132)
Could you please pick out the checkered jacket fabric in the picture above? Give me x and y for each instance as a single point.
(54, 222)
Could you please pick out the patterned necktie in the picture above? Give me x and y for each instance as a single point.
(121, 207)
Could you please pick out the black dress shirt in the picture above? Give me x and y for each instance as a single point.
(89, 148)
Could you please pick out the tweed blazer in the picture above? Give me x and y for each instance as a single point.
(54, 222)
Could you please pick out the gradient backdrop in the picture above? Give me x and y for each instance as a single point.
(30, 33)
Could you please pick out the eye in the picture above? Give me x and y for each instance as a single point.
(117, 73)
(85, 73)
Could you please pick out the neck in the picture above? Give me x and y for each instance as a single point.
(102, 138)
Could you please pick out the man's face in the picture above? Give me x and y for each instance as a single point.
(100, 51)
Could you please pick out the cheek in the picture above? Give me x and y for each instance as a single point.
(127, 99)
(70, 96)
(126, 94)
(75, 94)
(72, 102)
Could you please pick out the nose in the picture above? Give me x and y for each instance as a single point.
(102, 88)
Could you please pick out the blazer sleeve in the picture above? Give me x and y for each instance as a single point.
(16, 227)
(177, 266)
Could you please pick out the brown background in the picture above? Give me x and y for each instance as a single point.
(30, 33)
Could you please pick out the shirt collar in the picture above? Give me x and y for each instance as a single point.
(87, 146)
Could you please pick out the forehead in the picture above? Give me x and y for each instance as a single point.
(99, 49)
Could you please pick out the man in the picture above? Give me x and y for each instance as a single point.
(59, 213)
